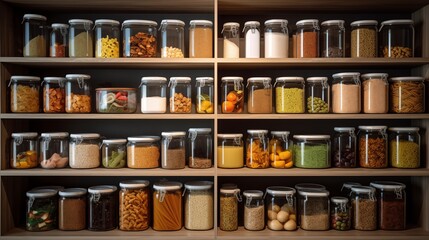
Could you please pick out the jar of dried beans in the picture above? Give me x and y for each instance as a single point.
(84, 150)
(373, 146)
(173, 150)
(59, 39)
(134, 212)
(404, 147)
(72, 209)
(397, 38)
(114, 153)
(23, 150)
(167, 206)
(344, 149)
(314, 209)
(228, 208)
(34, 35)
(375, 93)
(24, 94)
(205, 95)
(257, 153)
(172, 38)
(54, 150)
(260, 95)
(254, 212)
(346, 93)
(143, 152)
(42, 210)
(290, 94)
(230, 150)
(139, 38)
(81, 38)
(280, 150)
(106, 38)
(340, 213)
(53, 95)
(78, 95)
(281, 208)
(307, 38)
(364, 39)
(200, 147)
(180, 95)
(199, 205)
(200, 39)
(333, 39)
(317, 95)
(232, 95)
(102, 208)
(231, 40)
(364, 208)
(407, 95)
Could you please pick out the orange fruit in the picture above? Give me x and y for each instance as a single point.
(232, 97)
(227, 107)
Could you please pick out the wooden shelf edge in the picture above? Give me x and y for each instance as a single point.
(105, 116)
(332, 116)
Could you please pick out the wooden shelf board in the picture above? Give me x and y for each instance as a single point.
(322, 116)
(103, 116)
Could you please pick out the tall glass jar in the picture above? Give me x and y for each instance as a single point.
(344, 149)
(317, 95)
(404, 147)
(134, 205)
(205, 95)
(143, 152)
(114, 153)
(173, 150)
(252, 37)
(42, 210)
(35, 33)
(153, 94)
(254, 215)
(314, 209)
(373, 146)
(200, 39)
(72, 209)
(312, 151)
(200, 148)
(364, 208)
(24, 94)
(172, 38)
(102, 201)
(364, 39)
(230, 151)
(257, 153)
(180, 95)
(139, 38)
(232, 95)
(397, 38)
(276, 37)
(78, 95)
(281, 208)
(260, 95)
(346, 93)
(407, 95)
(23, 150)
(340, 214)
(106, 38)
(58, 40)
(375, 93)
(84, 150)
(346, 189)
(290, 93)
(231, 40)
(333, 39)
(280, 150)
(54, 150)
(307, 38)
(54, 95)
(228, 208)
(199, 205)
(81, 38)
(167, 206)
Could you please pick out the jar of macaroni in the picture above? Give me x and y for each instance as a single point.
(107, 38)
(78, 95)
(134, 205)
(373, 146)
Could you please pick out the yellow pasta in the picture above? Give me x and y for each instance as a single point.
(24, 98)
(107, 47)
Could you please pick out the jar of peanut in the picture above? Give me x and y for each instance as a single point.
(180, 95)
(53, 95)
(134, 213)
(172, 38)
(24, 94)
(78, 98)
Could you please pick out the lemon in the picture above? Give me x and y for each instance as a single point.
(205, 105)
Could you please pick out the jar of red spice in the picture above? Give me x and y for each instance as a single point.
(307, 38)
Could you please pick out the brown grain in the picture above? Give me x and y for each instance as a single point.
(143, 156)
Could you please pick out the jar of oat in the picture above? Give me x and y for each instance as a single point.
(290, 94)
(333, 39)
(54, 150)
(375, 93)
(344, 147)
(42, 210)
(143, 152)
(281, 208)
(307, 38)
(173, 150)
(317, 95)
(200, 147)
(230, 150)
(35, 34)
(372, 146)
(59, 38)
(24, 94)
(102, 208)
(404, 147)
(346, 93)
(257, 153)
(23, 150)
(407, 95)
(167, 206)
(134, 205)
(231, 40)
(280, 150)
(53, 95)
(340, 214)
(346, 189)
(199, 205)
(78, 95)
(254, 213)
(205, 95)
(364, 208)
(106, 38)
(81, 38)
(232, 95)
(84, 150)
(276, 37)
(139, 38)
(397, 38)
(72, 209)
(260, 95)
(228, 208)
(172, 38)
(114, 153)
(180, 95)
(153, 94)
(200, 39)
(364, 39)
(314, 209)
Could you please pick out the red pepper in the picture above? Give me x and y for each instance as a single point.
(122, 98)
(118, 94)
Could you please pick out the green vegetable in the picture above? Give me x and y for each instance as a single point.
(115, 160)
(42, 215)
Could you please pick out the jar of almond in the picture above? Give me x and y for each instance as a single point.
(180, 95)
(78, 98)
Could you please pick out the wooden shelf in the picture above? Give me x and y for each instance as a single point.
(103, 116)
(322, 116)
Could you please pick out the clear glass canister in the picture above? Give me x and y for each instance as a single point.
(24, 94)
(344, 149)
(375, 93)
(114, 153)
(205, 95)
(81, 38)
(107, 38)
(346, 189)
(23, 150)
(276, 37)
(173, 150)
(373, 146)
(333, 39)
(407, 95)
(252, 37)
(302, 186)
(228, 208)
(143, 152)
(54, 96)
(172, 38)
(281, 208)
(72, 209)
(392, 205)
(139, 38)
(84, 150)
(200, 39)
(35, 33)
(180, 95)
(167, 206)
(42, 210)
(232, 95)
(307, 38)
(230, 151)
(290, 93)
(153, 94)
(260, 95)
(312, 151)
(199, 205)
(102, 201)
(346, 93)
(200, 148)
(231, 40)
(341, 214)
(134, 205)
(54, 150)
(257, 153)
(78, 95)
(364, 208)
(397, 38)
(317, 95)
(59, 40)
(254, 213)
(404, 147)
(364, 39)
(314, 209)
(280, 150)
(115, 100)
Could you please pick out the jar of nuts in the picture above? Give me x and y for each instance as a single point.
(53, 95)
(281, 210)
(397, 38)
(139, 38)
(180, 95)
(172, 38)
(134, 213)
(78, 98)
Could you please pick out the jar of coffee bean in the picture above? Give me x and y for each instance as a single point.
(344, 151)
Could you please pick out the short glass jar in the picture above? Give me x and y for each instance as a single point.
(280, 149)
(404, 147)
(78, 95)
(84, 150)
(231, 40)
(180, 95)
(59, 40)
(116, 100)
(232, 95)
(205, 95)
(173, 151)
(281, 208)
(72, 209)
(114, 153)
(54, 150)
(42, 210)
(290, 94)
(24, 94)
(228, 208)
(107, 38)
(35, 34)
(317, 95)
(23, 150)
(230, 150)
(314, 209)
(260, 95)
(344, 149)
(199, 205)
(341, 214)
(153, 94)
(257, 152)
(397, 38)
(333, 39)
(407, 95)
(53, 95)
(200, 148)
(373, 146)
(375, 93)
(312, 151)
(102, 201)
(200, 39)
(276, 37)
(364, 208)
(143, 152)
(346, 93)
(252, 38)
(254, 213)
(172, 38)
(167, 206)
(139, 38)
(307, 38)
(364, 39)
(134, 205)
(81, 38)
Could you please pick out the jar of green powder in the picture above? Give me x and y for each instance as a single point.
(312, 151)
(290, 94)
(404, 147)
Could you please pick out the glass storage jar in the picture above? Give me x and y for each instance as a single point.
(106, 38)
(231, 40)
(58, 40)
(317, 95)
(78, 95)
(180, 95)
(134, 200)
(81, 38)
(375, 93)
(199, 206)
(373, 146)
(307, 38)
(172, 38)
(232, 95)
(84, 150)
(333, 39)
(364, 39)
(143, 152)
(364, 208)
(230, 150)
(404, 147)
(407, 94)
(205, 95)
(254, 215)
(340, 214)
(114, 153)
(167, 206)
(54, 150)
(42, 210)
(116, 100)
(346, 189)
(228, 208)
(72, 209)
(54, 95)
(344, 149)
(314, 209)
(102, 208)
(276, 37)
(346, 93)
(281, 208)
(257, 153)
(173, 150)
(312, 151)
(200, 147)
(252, 38)
(200, 39)
(153, 94)
(290, 94)
(260, 95)
(301, 186)
(24, 94)
(139, 38)
(397, 38)
(23, 150)
(35, 33)
(280, 150)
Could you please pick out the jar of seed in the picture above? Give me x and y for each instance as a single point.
(404, 147)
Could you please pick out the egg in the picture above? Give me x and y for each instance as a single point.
(275, 225)
(292, 217)
(290, 225)
(283, 216)
(272, 215)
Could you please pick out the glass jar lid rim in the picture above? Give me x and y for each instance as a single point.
(259, 79)
(230, 190)
(204, 79)
(312, 192)
(301, 186)
(172, 21)
(72, 192)
(180, 79)
(230, 135)
(200, 130)
(134, 184)
(41, 193)
(404, 129)
(77, 76)
(351, 184)
(102, 189)
(55, 134)
(59, 25)
(144, 139)
(332, 22)
(407, 79)
(276, 133)
(231, 24)
(370, 75)
(115, 89)
(372, 127)
(173, 134)
(154, 79)
(339, 200)
(25, 134)
(201, 22)
(85, 135)
(344, 129)
(362, 189)
(317, 79)
(56, 188)
(290, 79)
(168, 186)
(77, 21)
(107, 21)
(34, 16)
(139, 22)
(24, 78)
(346, 74)
(276, 21)
(397, 21)
(388, 185)
(252, 23)
(119, 140)
(199, 185)
(280, 191)
(256, 131)
(364, 22)
(253, 193)
(54, 79)
(229, 79)
(312, 137)
(307, 22)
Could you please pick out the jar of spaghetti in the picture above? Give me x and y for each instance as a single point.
(143, 152)
(375, 93)
(404, 147)
(102, 208)
(24, 151)
(53, 95)
(167, 206)
(72, 209)
(307, 38)
(199, 205)
(232, 95)
(260, 95)
(407, 95)
(373, 146)
(200, 39)
(59, 45)
(34, 35)
(106, 38)
(24, 94)
(134, 213)
(78, 95)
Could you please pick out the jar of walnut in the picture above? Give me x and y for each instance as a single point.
(78, 97)
(139, 37)
(373, 146)
(134, 214)
(180, 95)
(53, 95)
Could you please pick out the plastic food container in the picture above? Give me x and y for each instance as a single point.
(341, 214)
(307, 38)
(153, 94)
(102, 201)
(232, 95)
(254, 213)
(200, 147)
(344, 149)
(54, 96)
(397, 38)
(375, 93)
(180, 95)
(231, 40)
(205, 95)
(317, 95)
(72, 209)
(139, 38)
(59, 40)
(116, 100)
(23, 153)
(24, 94)
(173, 150)
(230, 150)
(407, 95)
(364, 39)
(373, 146)
(134, 205)
(84, 150)
(143, 152)
(200, 39)
(42, 210)
(257, 153)
(260, 95)
(114, 153)
(333, 39)
(276, 38)
(280, 150)
(107, 38)
(167, 206)
(346, 93)
(314, 209)
(172, 38)
(35, 34)
(228, 208)
(78, 95)
(312, 151)
(364, 207)
(281, 208)
(252, 37)
(54, 150)
(81, 38)
(404, 147)
(199, 205)
(290, 93)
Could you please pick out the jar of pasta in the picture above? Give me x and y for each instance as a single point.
(172, 38)
(205, 95)
(200, 39)
(72, 209)
(59, 38)
(375, 93)
(42, 210)
(199, 205)
(230, 150)
(231, 40)
(346, 93)
(173, 150)
(78, 96)
(404, 147)
(280, 150)
(317, 95)
(53, 95)
(200, 147)
(167, 206)
(373, 146)
(139, 38)
(254, 212)
(290, 94)
(228, 208)
(102, 208)
(153, 94)
(134, 212)
(397, 38)
(180, 95)
(23, 152)
(307, 38)
(24, 94)
(34, 35)
(114, 153)
(364, 208)
(260, 95)
(81, 38)
(143, 152)
(54, 150)
(407, 95)
(257, 154)
(106, 38)
(84, 150)
(281, 208)
(232, 95)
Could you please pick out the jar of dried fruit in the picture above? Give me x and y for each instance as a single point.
(281, 208)
(307, 38)
(78, 95)
(397, 38)
(54, 95)
(205, 98)
(404, 147)
(106, 38)
(180, 95)
(344, 149)
(134, 211)
(254, 212)
(200, 147)
(257, 154)
(139, 38)
(172, 38)
(280, 150)
(173, 150)
(24, 94)
(59, 39)
(54, 150)
(23, 153)
(372, 146)
(232, 95)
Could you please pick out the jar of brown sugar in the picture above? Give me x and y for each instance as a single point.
(375, 93)
(200, 39)
(72, 209)
(373, 146)
(260, 94)
(307, 38)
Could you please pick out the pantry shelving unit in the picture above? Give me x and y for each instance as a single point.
(127, 72)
